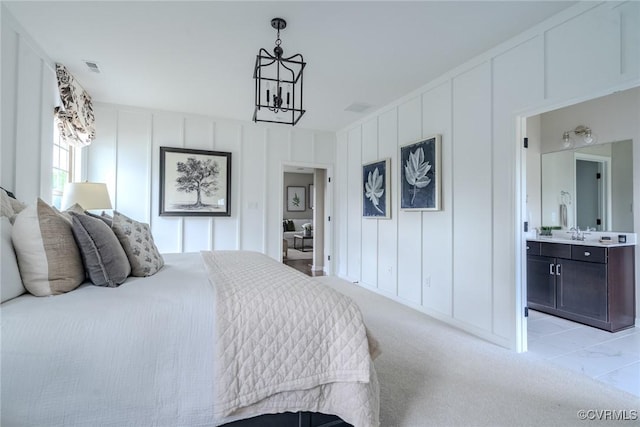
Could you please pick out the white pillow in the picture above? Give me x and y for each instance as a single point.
(9, 207)
(10, 281)
(48, 257)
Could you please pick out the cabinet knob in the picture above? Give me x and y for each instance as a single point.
(586, 253)
(527, 247)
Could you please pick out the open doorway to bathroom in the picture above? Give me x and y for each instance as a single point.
(595, 182)
(304, 218)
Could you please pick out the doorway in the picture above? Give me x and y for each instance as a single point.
(591, 192)
(587, 172)
(305, 218)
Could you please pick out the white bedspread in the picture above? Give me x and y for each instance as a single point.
(141, 354)
(279, 331)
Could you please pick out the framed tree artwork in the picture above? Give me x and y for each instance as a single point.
(375, 189)
(420, 181)
(296, 199)
(194, 182)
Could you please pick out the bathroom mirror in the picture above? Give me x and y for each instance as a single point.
(589, 187)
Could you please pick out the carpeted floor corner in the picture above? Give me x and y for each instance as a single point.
(432, 374)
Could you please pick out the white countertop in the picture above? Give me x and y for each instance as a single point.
(552, 239)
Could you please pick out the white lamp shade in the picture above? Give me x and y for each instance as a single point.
(89, 195)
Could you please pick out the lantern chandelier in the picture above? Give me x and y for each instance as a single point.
(278, 97)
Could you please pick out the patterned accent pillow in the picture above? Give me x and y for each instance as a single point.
(137, 242)
(48, 257)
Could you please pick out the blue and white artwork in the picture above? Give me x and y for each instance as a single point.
(420, 175)
(375, 190)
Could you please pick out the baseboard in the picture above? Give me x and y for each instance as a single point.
(443, 317)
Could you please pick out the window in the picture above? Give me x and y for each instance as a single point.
(63, 160)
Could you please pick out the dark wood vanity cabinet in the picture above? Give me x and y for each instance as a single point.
(587, 284)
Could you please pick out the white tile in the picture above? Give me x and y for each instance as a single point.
(613, 358)
(542, 348)
(546, 327)
(629, 343)
(626, 378)
(596, 360)
(534, 315)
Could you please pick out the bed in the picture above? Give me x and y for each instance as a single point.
(212, 338)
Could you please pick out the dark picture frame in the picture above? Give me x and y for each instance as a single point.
(296, 199)
(376, 200)
(311, 196)
(420, 175)
(194, 182)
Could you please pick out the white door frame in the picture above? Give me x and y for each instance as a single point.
(520, 118)
(328, 209)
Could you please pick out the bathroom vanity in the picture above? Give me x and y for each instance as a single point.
(583, 281)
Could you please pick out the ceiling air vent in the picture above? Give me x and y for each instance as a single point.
(92, 66)
(358, 107)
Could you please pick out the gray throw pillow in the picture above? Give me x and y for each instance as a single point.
(137, 241)
(105, 262)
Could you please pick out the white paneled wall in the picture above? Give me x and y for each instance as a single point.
(437, 227)
(462, 264)
(28, 99)
(472, 197)
(126, 153)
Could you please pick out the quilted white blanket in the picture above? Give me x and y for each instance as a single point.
(287, 343)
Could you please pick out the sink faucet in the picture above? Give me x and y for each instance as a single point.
(577, 234)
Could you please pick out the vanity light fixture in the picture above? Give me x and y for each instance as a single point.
(587, 136)
(278, 97)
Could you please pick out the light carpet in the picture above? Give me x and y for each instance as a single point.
(432, 374)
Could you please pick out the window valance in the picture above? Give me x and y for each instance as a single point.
(74, 117)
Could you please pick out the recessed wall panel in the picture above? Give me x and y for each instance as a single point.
(387, 264)
(253, 190)
(409, 222)
(583, 53)
(437, 242)
(168, 131)
(29, 122)
(133, 152)
(354, 225)
(302, 146)
(517, 82)
(198, 133)
(9, 100)
(472, 198)
(276, 153)
(324, 148)
(630, 39)
(369, 225)
(341, 181)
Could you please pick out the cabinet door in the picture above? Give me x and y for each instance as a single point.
(541, 279)
(582, 288)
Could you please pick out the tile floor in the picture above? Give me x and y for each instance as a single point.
(613, 358)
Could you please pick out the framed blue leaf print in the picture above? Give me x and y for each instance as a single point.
(420, 175)
(375, 189)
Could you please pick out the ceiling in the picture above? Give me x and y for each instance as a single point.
(198, 57)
